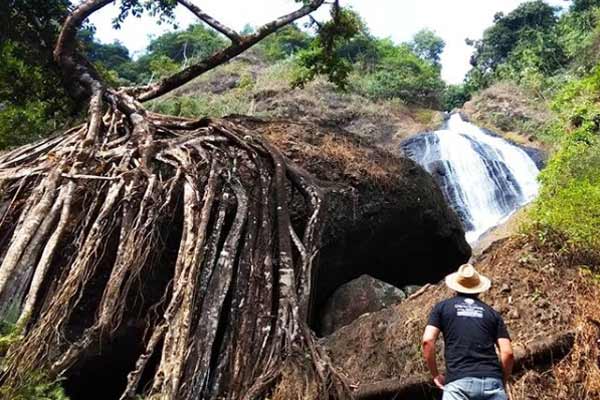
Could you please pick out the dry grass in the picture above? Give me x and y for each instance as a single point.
(577, 376)
(333, 156)
(510, 110)
(539, 293)
(265, 91)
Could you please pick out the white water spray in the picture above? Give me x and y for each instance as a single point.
(485, 178)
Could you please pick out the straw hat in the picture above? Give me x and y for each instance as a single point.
(467, 280)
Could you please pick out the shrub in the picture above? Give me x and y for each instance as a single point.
(569, 200)
(34, 386)
(402, 74)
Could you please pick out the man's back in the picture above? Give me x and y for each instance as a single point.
(471, 329)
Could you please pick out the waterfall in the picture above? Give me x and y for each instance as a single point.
(484, 178)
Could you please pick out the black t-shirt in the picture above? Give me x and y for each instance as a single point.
(471, 329)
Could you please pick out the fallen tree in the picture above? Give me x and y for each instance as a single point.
(181, 224)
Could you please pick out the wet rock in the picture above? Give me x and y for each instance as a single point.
(362, 295)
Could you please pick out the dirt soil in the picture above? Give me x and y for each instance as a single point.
(510, 111)
(539, 295)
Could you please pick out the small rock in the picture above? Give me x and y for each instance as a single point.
(514, 314)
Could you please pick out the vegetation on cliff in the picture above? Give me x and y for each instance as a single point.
(539, 78)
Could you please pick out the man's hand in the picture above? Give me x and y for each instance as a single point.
(440, 381)
(429, 338)
(507, 358)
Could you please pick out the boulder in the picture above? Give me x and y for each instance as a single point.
(385, 216)
(362, 295)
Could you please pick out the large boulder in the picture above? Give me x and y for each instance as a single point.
(386, 216)
(362, 295)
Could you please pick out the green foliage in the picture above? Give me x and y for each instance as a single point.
(519, 46)
(32, 99)
(323, 56)
(582, 6)
(287, 41)
(162, 66)
(569, 201)
(10, 332)
(32, 102)
(455, 96)
(195, 42)
(35, 386)
(110, 55)
(163, 9)
(427, 45)
(401, 74)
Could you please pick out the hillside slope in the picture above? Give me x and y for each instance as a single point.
(250, 86)
(548, 302)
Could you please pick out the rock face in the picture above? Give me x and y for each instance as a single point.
(385, 215)
(362, 295)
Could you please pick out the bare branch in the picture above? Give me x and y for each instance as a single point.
(225, 30)
(176, 80)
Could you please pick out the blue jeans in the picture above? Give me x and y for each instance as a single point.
(475, 389)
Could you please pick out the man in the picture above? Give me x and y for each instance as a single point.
(471, 330)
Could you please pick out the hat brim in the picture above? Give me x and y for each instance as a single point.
(484, 284)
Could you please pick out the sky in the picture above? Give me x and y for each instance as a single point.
(399, 20)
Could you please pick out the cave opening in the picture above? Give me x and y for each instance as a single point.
(406, 249)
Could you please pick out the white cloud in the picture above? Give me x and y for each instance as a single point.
(454, 21)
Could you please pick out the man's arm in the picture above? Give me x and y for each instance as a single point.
(507, 358)
(429, 339)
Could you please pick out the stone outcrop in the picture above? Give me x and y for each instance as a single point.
(362, 295)
(386, 216)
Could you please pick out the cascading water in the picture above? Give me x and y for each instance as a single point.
(484, 177)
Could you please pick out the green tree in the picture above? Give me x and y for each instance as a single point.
(32, 98)
(401, 74)
(523, 45)
(112, 55)
(195, 42)
(323, 56)
(509, 30)
(455, 96)
(286, 42)
(428, 45)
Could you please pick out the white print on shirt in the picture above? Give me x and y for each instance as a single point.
(469, 309)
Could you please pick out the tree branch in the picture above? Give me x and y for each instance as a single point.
(65, 53)
(74, 65)
(225, 30)
(180, 78)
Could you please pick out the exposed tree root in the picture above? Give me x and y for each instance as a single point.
(180, 225)
(535, 354)
(87, 213)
